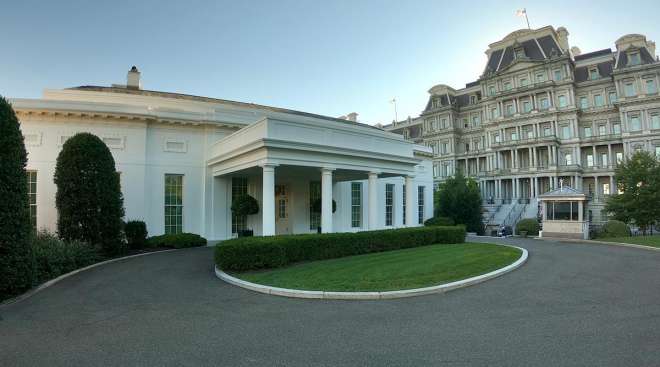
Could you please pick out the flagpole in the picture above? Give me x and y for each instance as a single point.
(527, 19)
(396, 118)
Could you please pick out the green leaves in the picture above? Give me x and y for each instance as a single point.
(245, 205)
(460, 199)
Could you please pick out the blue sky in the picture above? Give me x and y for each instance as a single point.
(329, 57)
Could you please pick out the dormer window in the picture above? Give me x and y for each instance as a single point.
(593, 74)
(520, 53)
(633, 58)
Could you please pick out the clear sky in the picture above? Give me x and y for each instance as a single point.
(329, 57)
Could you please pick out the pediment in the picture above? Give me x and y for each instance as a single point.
(520, 65)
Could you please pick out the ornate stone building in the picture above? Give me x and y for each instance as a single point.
(540, 114)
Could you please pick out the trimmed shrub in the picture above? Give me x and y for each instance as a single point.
(317, 206)
(179, 240)
(251, 253)
(54, 257)
(136, 234)
(89, 200)
(245, 205)
(529, 225)
(614, 228)
(439, 221)
(16, 265)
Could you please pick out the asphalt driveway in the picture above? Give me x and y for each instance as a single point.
(569, 305)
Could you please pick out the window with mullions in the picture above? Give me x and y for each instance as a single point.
(32, 197)
(389, 203)
(173, 204)
(239, 187)
(420, 204)
(356, 204)
(314, 195)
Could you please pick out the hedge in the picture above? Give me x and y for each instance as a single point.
(54, 257)
(252, 253)
(179, 240)
(439, 221)
(529, 225)
(614, 228)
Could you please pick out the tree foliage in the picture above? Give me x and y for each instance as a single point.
(16, 263)
(639, 180)
(245, 205)
(459, 198)
(317, 206)
(89, 199)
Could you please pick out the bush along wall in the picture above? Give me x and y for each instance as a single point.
(252, 253)
(179, 240)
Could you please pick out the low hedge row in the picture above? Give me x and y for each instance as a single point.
(54, 257)
(251, 253)
(180, 240)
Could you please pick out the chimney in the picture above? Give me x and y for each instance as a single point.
(352, 117)
(562, 37)
(133, 79)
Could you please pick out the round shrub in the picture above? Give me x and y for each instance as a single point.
(317, 206)
(439, 221)
(89, 201)
(136, 234)
(245, 205)
(614, 228)
(179, 240)
(529, 225)
(16, 264)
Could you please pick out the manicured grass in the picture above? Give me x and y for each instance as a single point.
(653, 241)
(392, 270)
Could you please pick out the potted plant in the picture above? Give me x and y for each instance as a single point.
(316, 208)
(245, 205)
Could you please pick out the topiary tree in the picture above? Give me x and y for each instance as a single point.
(245, 205)
(136, 234)
(89, 200)
(318, 203)
(16, 263)
(439, 221)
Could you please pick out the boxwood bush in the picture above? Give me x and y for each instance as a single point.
(179, 240)
(136, 234)
(54, 257)
(439, 221)
(529, 225)
(251, 253)
(614, 228)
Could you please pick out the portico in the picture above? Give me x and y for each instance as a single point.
(286, 171)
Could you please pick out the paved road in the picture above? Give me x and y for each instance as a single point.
(570, 305)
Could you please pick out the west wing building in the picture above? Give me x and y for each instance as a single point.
(183, 159)
(543, 114)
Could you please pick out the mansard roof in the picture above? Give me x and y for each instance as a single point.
(604, 70)
(590, 55)
(645, 58)
(536, 49)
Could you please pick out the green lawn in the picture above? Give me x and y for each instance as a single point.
(653, 241)
(393, 270)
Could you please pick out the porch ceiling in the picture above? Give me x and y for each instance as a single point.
(285, 173)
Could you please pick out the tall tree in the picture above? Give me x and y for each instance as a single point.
(459, 198)
(16, 262)
(89, 199)
(639, 180)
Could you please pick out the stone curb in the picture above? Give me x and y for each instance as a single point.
(594, 242)
(294, 293)
(52, 282)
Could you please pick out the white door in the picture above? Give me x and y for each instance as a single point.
(282, 210)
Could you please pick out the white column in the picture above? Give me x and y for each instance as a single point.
(410, 200)
(596, 191)
(373, 200)
(326, 200)
(536, 187)
(268, 201)
(612, 189)
(609, 155)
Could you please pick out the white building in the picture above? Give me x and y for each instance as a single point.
(182, 158)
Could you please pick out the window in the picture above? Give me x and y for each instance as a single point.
(32, 197)
(566, 132)
(612, 97)
(494, 113)
(491, 90)
(545, 104)
(606, 189)
(527, 106)
(598, 100)
(514, 135)
(465, 123)
(173, 204)
(619, 157)
(562, 210)
(558, 75)
(314, 195)
(655, 121)
(497, 138)
(509, 109)
(657, 151)
(650, 87)
(420, 204)
(403, 189)
(603, 159)
(616, 128)
(602, 130)
(593, 74)
(547, 131)
(590, 160)
(473, 99)
(584, 102)
(635, 123)
(444, 123)
(356, 204)
(540, 77)
(524, 82)
(475, 121)
(239, 186)
(530, 134)
(587, 131)
(629, 89)
(520, 53)
(634, 59)
(562, 101)
(507, 86)
(568, 159)
(389, 203)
